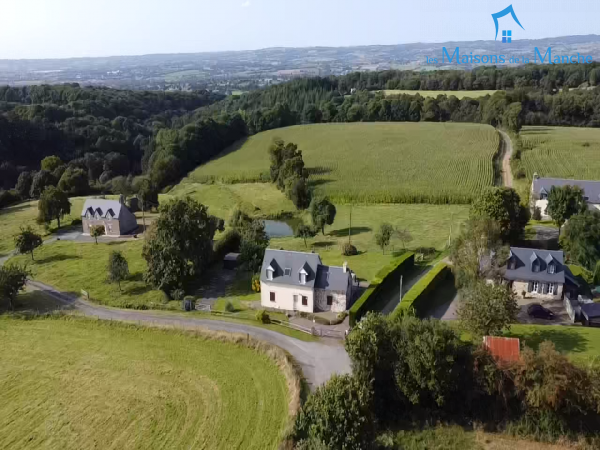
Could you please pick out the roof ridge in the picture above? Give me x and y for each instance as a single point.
(291, 251)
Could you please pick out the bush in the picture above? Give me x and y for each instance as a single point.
(338, 414)
(520, 174)
(256, 282)
(387, 274)
(8, 198)
(537, 213)
(76, 222)
(177, 294)
(349, 250)
(417, 295)
(263, 316)
(229, 307)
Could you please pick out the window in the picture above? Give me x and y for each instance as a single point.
(551, 268)
(535, 286)
(512, 264)
(506, 36)
(535, 267)
(295, 300)
(329, 300)
(551, 288)
(272, 295)
(269, 274)
(304, 300)
(302, 278)
(288, 271)
(543, 196)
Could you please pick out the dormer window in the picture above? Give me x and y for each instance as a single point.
(535, 266)
(269, 273)
(303, 278)
(551, 268)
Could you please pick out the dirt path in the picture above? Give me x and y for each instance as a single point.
(507, 151)
(319, 360)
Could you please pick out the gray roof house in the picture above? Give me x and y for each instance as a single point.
(537, 273)
(114, 216)
(298, 281)
(540, 189)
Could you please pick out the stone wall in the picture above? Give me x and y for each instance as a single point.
(520, 286)
(338, 303)
(112, 227)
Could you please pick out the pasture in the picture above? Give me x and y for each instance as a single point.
(80, 384)
(373, 162)
(458, 94)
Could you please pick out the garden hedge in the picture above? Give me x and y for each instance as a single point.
(388, 273)
(417, 297)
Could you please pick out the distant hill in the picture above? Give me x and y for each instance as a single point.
(256, 68)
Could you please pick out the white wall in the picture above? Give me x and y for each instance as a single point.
(543, 204)
(284, 297)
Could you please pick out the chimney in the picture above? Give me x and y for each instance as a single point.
(121, 199)
(345, 266)
(536, 176)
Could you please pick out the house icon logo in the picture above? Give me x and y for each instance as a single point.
(506, 34)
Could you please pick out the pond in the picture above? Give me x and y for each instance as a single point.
(280, 228)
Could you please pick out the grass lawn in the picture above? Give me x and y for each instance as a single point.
(373, 162)
(429, 226)
(457, 94)
(75, 384)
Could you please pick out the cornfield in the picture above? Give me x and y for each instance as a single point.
(439, 163)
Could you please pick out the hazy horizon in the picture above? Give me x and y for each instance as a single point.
(67, 29)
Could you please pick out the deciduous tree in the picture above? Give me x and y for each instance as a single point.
(305, 232)
(564, 202)
(27, 241)
(581, 239)
(96, 231)
(117, 268)
(53, 204)
(384, 235)
(503, 205)
(322, 212)
(12, 280)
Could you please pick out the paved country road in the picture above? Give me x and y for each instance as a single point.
(318, 360)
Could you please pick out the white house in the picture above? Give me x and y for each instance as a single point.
(540, 189)
(113, 215)
(298, 281)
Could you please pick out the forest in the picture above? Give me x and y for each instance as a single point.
(107, 133)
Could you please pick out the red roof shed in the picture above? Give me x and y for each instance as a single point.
(503, 349)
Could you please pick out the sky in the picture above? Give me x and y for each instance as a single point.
(76, 28)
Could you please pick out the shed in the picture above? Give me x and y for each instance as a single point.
(591, 314)
(503, 349)
(231, 261)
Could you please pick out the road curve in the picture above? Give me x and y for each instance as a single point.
(318, 360)
(507, 151)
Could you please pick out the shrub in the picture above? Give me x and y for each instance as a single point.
(349, 250)
(338, 414)
(520, 174)
(387, 274)
(256, 282)
(8, 198)
(177, 294)
(76, 222)
(263, 316)
(342, 315)
(229, 307)
(537, 213)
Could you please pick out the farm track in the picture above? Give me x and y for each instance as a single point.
(318, 360)
(506, 155)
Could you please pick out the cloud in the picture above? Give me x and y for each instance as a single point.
(246, 4)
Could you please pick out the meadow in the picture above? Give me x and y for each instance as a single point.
(458, 94)
(372, 162)
(95, 384)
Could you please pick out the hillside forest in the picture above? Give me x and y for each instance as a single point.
(98, 134)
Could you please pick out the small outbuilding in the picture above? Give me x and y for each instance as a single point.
(231, 261)
(590, 313)
(114, 216)
(503, 349)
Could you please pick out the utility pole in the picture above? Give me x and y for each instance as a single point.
(350, 228)
(450, 235)
(401, 288)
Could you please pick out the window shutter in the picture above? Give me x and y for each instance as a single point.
(529, 286)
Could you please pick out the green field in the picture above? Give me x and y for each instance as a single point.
(457, 94)
(373, 162)
(561, 152)
(83, 384)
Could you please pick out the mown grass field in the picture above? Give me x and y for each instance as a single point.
(373, 162)
(83, 384)
(457, 94)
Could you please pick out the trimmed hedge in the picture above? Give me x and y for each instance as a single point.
(387, 273)
(417, 296)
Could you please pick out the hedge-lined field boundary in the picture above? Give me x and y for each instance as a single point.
(397, 266)
(416, 297)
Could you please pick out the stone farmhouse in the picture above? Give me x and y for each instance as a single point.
(540, 189)
(298, 281)
(113, 215)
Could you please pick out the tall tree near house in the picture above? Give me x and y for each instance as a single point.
(564, 202)
(487, 309)
(41, 180)
(53, 204)
(118, 268)
(12, 280)
(253, 244)
(305, 231)
(384, 235)
(27, 241)
(322, 212)
(503, 205)
(147, 193)
(96, 231)
(581, 239)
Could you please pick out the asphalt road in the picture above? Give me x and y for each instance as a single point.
(318, 360)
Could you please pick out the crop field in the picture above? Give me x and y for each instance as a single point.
(84, 384)
(561, 152)
(373, 162)
(458, 94)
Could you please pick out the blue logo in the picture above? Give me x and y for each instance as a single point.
(506, 34)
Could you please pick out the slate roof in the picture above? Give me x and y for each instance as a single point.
(318, 276)
(525, 257)
(332, 278)
(104, 206)
(591, 310)
(591, 189)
